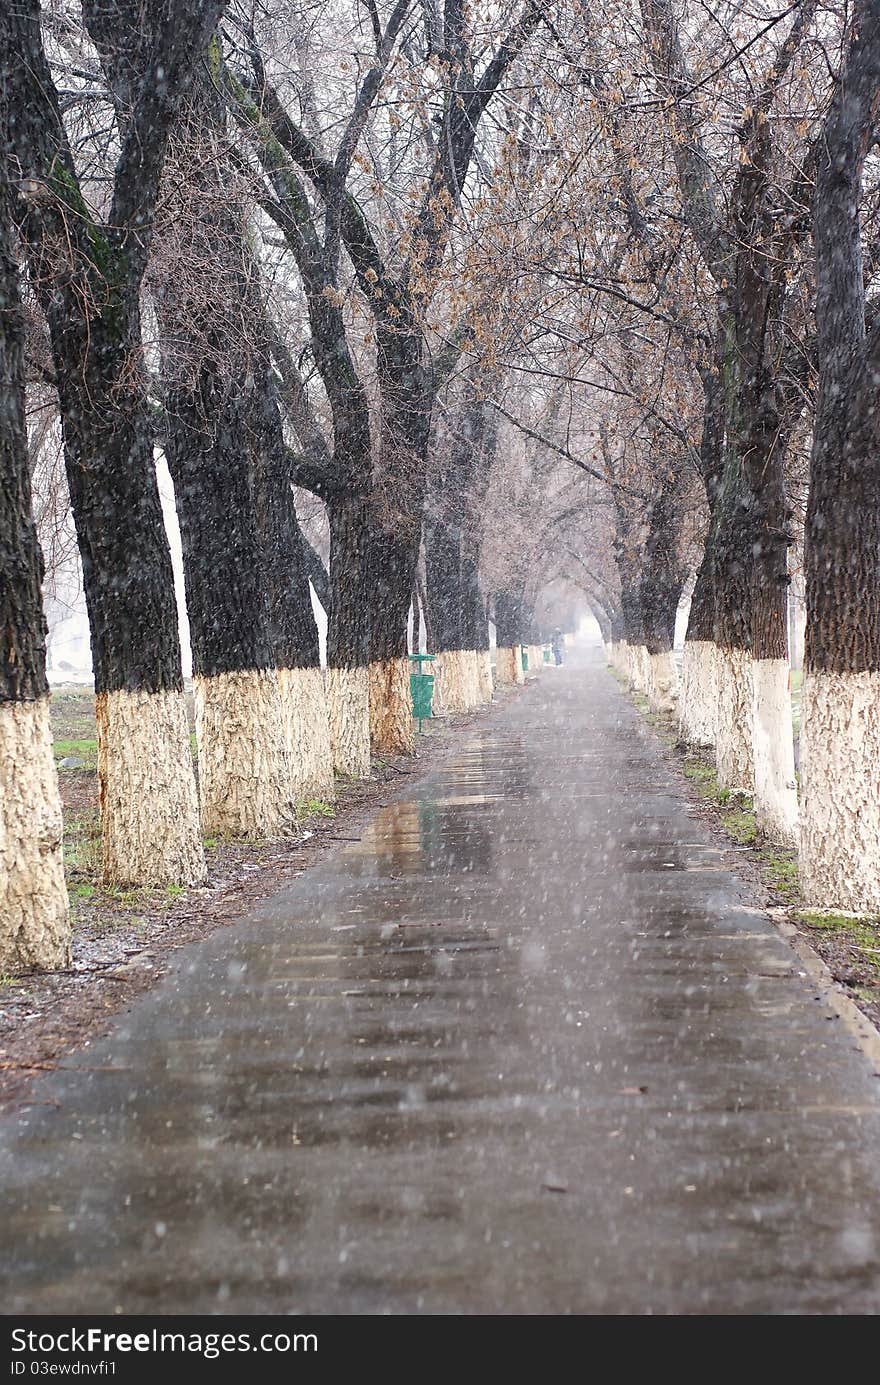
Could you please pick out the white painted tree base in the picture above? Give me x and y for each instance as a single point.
(639, 668)
(698, 696)
(485, 682)
(452, 683)
(508, 666)
(348, 702)
(621, 659)
(776, 803)
(390, 700)
(150, 832)
(244, 773)
(34, 916)
(840, 791)
(473, 692)
(307, 732)
(662, 682)
(733, 729)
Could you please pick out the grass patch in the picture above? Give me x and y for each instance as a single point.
(858, 933)
(698, 770)
(85, 750)
(740, 824)
(780, 869)
(317, 808)
(82, 844)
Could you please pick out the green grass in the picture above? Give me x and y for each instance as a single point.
(85, 750)
(859, 933)
(780, 869)
(740, 824)
(6, 980)
(82, 843)
(317, 808)
(698, 771)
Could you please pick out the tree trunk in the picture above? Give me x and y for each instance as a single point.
(443, 580)
(508, 606)
(660, 588)
(763, 444)
(34, 918)
(697, 703)
(293, 632)
(732, 539)
(475, 623)
(396, 528)
(733, 548)
(208, 321)
(348, 635)
(149, 812)
(840, 737)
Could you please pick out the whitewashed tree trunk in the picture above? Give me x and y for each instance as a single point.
(452, 693)
(150, 817)
(307, 733)
(639, 668)
(776, 802)
(840, 791)
(663, 682)
(34, 922)
(472, 679)
(348, 701)
(733, 728)
(484, 676)
(508, 666)
(698, 698)
(390, 701)
(244, 772)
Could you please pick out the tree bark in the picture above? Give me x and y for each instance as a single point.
(292, 628)
(840, 758)
(210, 327)
(396, 526)
(34, 916)
(89, 276)
(508, 608)
(348, 634)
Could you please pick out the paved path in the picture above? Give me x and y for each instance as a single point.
(523, 1048)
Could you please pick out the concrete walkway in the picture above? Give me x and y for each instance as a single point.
(524, 1048)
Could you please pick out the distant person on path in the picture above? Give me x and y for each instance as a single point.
(556, 644)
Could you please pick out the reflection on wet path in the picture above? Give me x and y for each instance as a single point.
(524, 1047)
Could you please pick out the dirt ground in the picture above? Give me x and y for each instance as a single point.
(123, 939)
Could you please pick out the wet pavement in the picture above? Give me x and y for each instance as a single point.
(525, 1047)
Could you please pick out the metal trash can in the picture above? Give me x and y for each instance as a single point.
(421, 687)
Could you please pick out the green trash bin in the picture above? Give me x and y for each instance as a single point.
(547, 655)
(421, 687)
(525, 658)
